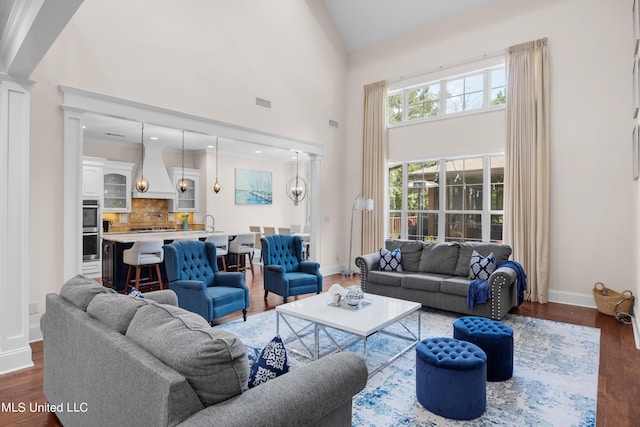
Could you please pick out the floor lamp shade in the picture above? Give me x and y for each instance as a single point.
(359, 204)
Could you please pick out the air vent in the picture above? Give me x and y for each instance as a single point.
(334, 124)
(264, 103)
(114, 134)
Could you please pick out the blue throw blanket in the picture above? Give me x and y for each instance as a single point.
(479, 291)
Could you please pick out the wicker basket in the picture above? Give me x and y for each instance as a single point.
(610, 302)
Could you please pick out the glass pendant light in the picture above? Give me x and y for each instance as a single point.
(216, 185)
(182, 184)
(142, 185)
(297, 187)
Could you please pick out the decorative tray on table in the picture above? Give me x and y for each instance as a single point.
(353, 300)
(365, 302)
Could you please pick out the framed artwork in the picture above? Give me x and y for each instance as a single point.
(635, 144)
(253, 187)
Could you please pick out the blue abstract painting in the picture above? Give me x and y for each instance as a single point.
(253, 187)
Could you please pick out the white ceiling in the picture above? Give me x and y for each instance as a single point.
(363, 23)
(360, 24)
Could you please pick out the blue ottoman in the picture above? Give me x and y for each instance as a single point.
(492, 336)
(451, 378)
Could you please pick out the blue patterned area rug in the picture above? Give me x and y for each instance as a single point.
(554, 383)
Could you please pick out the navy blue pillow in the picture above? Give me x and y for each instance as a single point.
(480, 268)
(271, 363)
(390, 260)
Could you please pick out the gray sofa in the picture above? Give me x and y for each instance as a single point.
(111, 359)
(437, 275)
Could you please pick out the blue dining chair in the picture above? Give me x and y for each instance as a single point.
(192, 272)
(285, 271)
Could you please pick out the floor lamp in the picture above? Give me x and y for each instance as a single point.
(359, 204)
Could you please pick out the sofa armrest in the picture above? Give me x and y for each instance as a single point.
(367, 263)
(165, 296)
(303, 397)
(502, 276)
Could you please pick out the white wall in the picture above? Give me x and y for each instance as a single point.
(232, 217)
(590, 49)
(209, 59)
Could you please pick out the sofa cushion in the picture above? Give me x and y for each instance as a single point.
(390, 260)
(115, 310)
(214, 361)
(480, 267)
(270, 363)
(411, 251)
(455, 285)
(388, 278)
(423, 281)
(440, 257)
(80, 290)
(502, 253)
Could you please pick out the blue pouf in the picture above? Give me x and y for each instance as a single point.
(492, 336)
(451, 378)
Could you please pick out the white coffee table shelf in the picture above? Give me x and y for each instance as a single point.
(363, 323)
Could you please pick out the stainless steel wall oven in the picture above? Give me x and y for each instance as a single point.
(90, 230)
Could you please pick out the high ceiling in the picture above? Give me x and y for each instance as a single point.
(359, 23)
(363, 23)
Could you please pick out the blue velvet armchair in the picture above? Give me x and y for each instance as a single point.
(285, 272)
(192, 272)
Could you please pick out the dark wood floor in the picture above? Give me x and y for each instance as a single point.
(618, 382)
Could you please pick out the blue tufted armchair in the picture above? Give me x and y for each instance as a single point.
(285, 272)
(193, 275)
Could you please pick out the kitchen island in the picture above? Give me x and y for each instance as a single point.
(114, 270)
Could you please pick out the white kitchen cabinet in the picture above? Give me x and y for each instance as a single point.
(187, 201)
(92, 169)
(117, 186)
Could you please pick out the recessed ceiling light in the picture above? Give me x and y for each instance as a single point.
(153, 137)
(209, 146)
(258, 151)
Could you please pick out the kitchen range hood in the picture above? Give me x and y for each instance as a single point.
(160, 186)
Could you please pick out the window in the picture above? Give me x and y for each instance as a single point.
(423, 102)
(478, 90)
(465, 205)
(465, 94)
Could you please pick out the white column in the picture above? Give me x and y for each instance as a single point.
(72, 181)
(15, 98)
(315, 207)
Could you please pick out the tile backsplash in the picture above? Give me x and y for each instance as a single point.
(146, 213)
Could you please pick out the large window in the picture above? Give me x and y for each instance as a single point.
(448, 199)
(475, 91)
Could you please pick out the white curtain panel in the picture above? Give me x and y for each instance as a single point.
(374, 163)
(526, 211)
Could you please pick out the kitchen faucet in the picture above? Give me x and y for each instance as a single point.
(213, 223)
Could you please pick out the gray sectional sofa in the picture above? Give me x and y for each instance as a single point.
(436, 274)
(116, 360)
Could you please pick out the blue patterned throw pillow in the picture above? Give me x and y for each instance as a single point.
(136, 293)
(480, 268)
(272, 362)
(390, 260)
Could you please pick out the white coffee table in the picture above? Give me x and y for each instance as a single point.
(381, 313)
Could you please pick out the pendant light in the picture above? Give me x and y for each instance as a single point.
(216, 185)
(297, 187)
(182, 184)
(142, 185)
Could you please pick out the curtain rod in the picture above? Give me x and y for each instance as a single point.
(489, 55)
